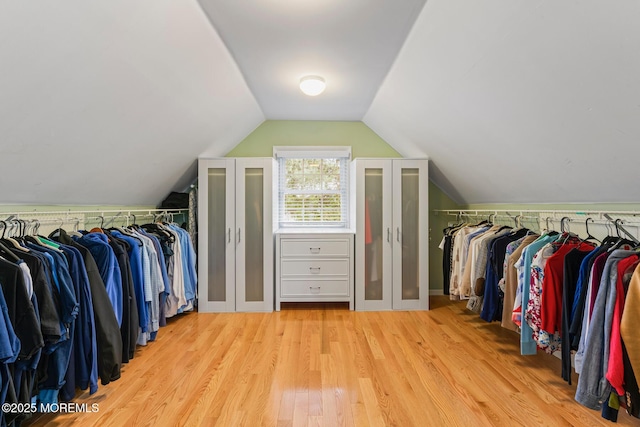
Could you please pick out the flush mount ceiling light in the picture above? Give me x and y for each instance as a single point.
(312, 85)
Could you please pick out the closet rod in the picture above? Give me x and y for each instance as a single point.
(483, 212)
(601, 215)
(69, 212)
(621, 228)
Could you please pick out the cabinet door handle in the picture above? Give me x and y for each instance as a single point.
(398, 234)
(239, 234)
(314, 269)
(314, 250)
(388, 234)
(314, 289)
(229, 234)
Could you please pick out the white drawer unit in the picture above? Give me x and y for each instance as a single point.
(311, 289)
(317, 247)
(315, 266)
(329, 268)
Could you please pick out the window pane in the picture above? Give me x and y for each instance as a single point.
(332, 182)
(313, 190)
(294, 166)
(312, 166)
(312, 182)
(331, 166)
(294, 182)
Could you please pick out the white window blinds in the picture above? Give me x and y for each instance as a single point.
(313, 187)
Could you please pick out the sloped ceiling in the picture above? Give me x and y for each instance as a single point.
(110, 102)
(351, 44)
(519, 101)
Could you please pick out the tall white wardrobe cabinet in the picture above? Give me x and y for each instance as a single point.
(391, 245)
(235, 234)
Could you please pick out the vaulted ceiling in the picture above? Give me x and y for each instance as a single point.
(111, 102)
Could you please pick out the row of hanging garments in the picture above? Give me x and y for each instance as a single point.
(562, 293)
(76, 304)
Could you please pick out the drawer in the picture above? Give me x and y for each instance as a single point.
(314, 288)
(314, 267)
(314, 247)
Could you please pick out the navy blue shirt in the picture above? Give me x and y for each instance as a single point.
(135, 261)
(98, 245)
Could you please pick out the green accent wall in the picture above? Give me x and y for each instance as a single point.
(437, 222)
(363, 141)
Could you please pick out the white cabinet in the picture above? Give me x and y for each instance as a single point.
(235, 235)
(391, 244)
(314, 267)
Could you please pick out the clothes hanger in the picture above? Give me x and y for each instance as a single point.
(57, 231)
(98, 229)
(567, 236)
(3, 248)
(549, 230)
(7, 253)
(11, 240)
(589, 236)
(617, 242)
(75, 232)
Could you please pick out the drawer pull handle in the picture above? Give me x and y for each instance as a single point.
(314, 269)
(314, 250)
(314, 289)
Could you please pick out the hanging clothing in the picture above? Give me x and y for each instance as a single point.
(630, 321)
(494, 294)
(98, 245)
(572, 269)
(460, 249)
(551, 298)
(615, 369)
(108, 338)
(513, 254)
(593, 388)
(528, 345)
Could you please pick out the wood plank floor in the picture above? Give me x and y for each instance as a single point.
(324, 365)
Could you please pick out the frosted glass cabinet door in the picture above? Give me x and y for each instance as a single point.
(216, 212)
(235, 248)
(217, 235)
(410, 222)
(373, 234)
(254, 252)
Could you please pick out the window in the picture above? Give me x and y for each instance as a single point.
(313, 186)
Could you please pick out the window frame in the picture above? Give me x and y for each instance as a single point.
(282, 154)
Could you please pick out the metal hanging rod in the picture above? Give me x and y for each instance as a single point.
(621, 228)
(482, 212)
(97, 212)
(553, 215)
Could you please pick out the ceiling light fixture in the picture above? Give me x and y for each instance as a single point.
(312, 85)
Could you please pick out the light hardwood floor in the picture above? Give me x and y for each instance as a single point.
(324, 365)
